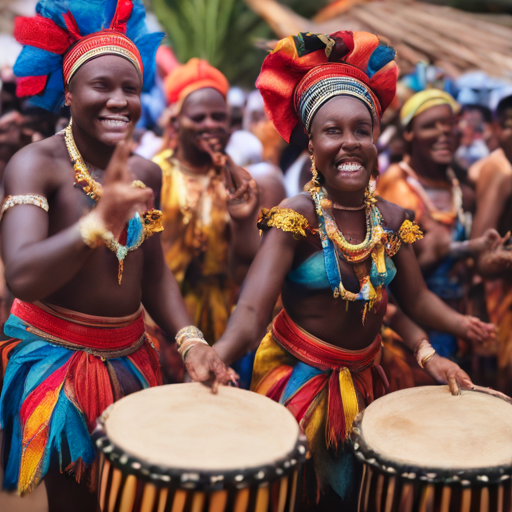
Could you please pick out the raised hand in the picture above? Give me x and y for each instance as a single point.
(476, 331)
(204, 365)
(120, 200)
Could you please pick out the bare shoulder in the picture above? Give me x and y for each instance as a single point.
(303, 204)
(146, 171)
(393, 215)
(38, 168)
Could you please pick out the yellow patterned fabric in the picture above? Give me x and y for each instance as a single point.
(285, 219)
(195, 242)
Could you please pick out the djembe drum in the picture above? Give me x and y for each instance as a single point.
(425, 450)
(180, 448)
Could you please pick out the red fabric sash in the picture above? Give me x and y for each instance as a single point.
(103, 334)
(315, 352)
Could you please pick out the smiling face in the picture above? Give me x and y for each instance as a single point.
(433, 136)
(104, 96)
(342, 144)
(203, 115)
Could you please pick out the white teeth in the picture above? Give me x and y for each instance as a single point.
(350, 167)
(115, 122)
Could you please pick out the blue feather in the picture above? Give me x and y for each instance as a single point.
(381, 56)
(136, 26)
(53, 95)
(33, 61)
(53, 10)
(93, 15)
(147, 46)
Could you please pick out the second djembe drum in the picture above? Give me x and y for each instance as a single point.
(425, 450)
(180, 448)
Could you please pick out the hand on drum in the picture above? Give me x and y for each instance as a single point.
(205, 366)
(445, 371)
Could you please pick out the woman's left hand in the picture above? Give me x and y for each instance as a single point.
(444, 371)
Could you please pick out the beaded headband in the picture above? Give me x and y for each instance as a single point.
(95, 45)
(326, 82)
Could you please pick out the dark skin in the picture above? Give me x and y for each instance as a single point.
(433, 144)
(341, 133)
(44, 254)
(203, 128)
(494, 204)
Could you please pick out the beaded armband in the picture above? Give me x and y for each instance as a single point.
(408, 233)
(285, 219)
(33, 199)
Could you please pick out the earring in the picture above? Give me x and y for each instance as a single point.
(314, 172)
(369, 195)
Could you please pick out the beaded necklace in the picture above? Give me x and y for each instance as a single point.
(336, 247)
(139, 227)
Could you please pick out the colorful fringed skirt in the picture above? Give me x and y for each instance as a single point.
(60, 370)
(324, 387)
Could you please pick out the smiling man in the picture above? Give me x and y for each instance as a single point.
(81, 249)
(425, 183)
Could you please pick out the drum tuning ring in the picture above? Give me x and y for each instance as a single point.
(259, 475)
(483, 478)
(123, 459)
(356, 446)
(239, 478)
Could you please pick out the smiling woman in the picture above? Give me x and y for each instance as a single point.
(330, 252)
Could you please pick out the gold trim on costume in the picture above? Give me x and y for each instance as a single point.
(285, 219)
(33, 199)
(408, 233)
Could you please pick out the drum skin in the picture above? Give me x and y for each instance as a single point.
(396, 478)
(133, 479)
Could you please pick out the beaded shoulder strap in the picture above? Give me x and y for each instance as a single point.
(285, 219)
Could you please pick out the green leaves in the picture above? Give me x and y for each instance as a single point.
(221, 31)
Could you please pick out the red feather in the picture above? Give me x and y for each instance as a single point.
(42, 33)
(122, 15)
(72, 25)
(30, 85)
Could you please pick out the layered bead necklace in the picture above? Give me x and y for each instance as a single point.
(336, 247)
(139, 227)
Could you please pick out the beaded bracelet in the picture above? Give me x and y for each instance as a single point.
(191, 331)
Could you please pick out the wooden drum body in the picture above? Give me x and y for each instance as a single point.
(179, 448)
(424, 450)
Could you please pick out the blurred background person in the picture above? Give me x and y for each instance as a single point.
(209, 204)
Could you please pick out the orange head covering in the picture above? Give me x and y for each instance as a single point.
(194, 75)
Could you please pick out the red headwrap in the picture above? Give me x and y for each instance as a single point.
(107, 42)
(194, 75)
(301, 63)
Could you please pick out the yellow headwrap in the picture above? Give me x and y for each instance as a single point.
(423, 101)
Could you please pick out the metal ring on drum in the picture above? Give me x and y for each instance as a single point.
(425, 450)
(181, 448)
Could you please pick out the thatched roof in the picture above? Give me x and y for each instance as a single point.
(455, 40)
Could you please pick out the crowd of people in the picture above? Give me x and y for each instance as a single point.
(292, 239)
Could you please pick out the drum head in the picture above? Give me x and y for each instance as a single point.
(186, 427)
(427, 427)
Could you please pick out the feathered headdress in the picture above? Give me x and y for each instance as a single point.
(305, 71)
(65, 34)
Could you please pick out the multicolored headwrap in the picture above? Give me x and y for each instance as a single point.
(424, 100)
(194, 75)
(65, 34)
(305, 71)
